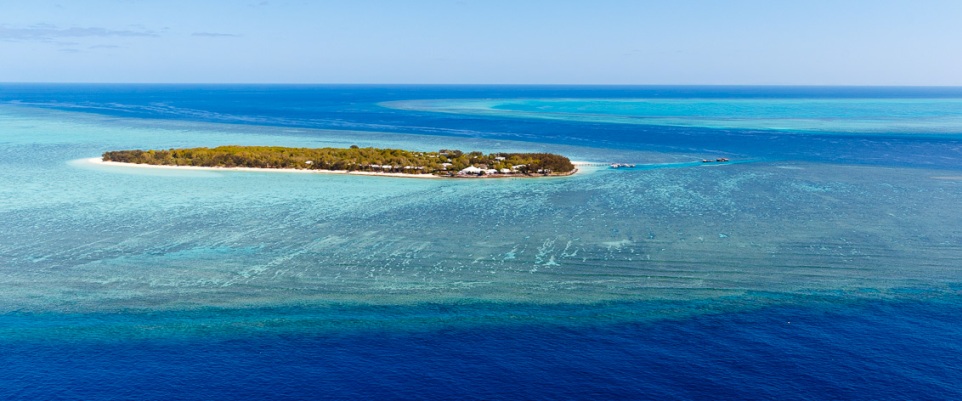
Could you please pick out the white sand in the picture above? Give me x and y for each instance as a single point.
(100, 161)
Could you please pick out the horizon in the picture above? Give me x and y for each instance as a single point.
(477, 84)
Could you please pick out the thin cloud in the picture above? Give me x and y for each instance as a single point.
(46, 33)
(104, 47)
(215, 35)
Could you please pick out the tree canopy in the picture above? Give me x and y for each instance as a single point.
(443, 162)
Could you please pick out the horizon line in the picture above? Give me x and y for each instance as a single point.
(482, 84)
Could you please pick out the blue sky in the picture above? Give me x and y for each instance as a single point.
(484, 42)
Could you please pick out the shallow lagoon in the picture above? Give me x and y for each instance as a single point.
(158, 239)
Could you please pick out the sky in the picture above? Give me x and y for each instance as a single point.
(670, 42)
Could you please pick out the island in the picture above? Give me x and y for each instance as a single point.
(443, 163)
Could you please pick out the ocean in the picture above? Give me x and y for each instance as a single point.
(823, 261)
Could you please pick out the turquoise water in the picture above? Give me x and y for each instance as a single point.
(135, 238)
(881, 116)
(147, 263)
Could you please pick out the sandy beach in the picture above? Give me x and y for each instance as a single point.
(100, 161)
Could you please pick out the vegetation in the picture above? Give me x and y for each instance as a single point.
(444, 162)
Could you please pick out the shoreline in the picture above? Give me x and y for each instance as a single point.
(100, 161)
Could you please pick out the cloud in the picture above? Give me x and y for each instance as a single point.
(215, 35)
(46, 33)
(104, 47)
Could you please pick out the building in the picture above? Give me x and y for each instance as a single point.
(471, 171)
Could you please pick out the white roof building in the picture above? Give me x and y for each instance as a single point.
(471, 170)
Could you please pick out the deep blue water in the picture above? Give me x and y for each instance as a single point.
(878, 351)
(821, 265)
